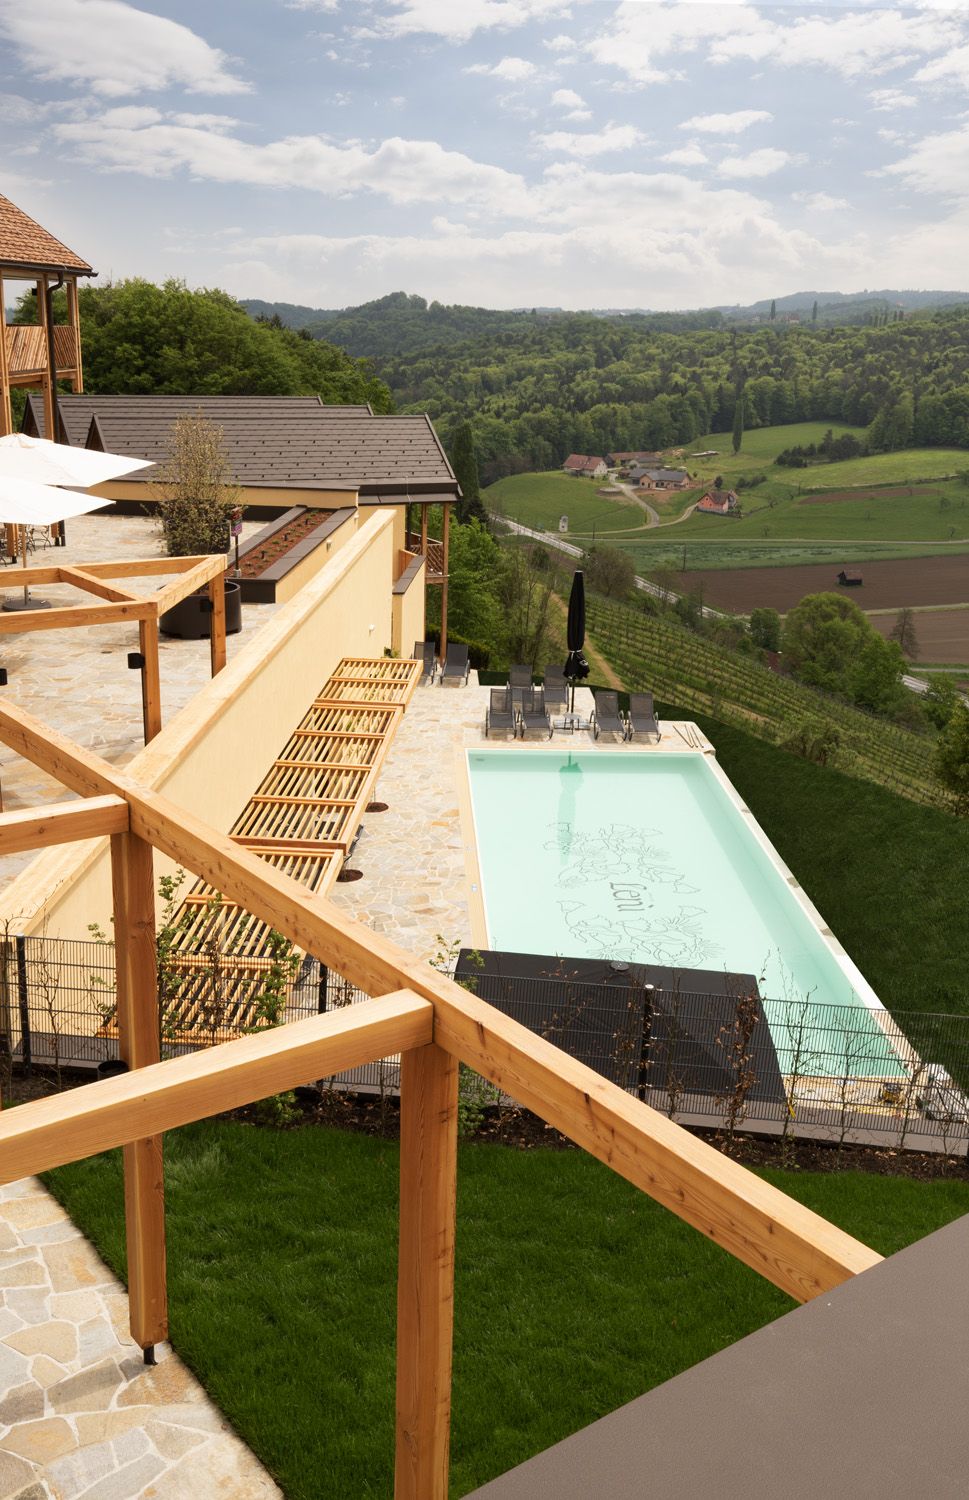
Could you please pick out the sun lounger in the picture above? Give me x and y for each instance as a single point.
(519, 679)
(642, 718)
(500, 713)
(456, 665)
(556, 694)
(607, 716)
(534, 714)
(426, 651)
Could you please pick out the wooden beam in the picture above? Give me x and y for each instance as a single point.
(48, 376)
(62, 823)
(203, 570)
(150, 679)
(93, 585)
(445, 536)
(74, 318)
(145, 567)
(217, 632)
(133, 887)
(425, 1271)
(793, 1247)
(82, 1122)
(74, 614)
(6, 415)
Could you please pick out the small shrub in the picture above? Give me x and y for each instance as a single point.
(814, 741)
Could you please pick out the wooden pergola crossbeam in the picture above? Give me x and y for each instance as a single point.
(121, 606)
(62, 823)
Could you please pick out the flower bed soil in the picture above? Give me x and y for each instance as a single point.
(276, 546)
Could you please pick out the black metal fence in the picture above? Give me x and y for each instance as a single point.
(792, 1068)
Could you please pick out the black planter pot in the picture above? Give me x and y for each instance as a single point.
(191, 618)
(112, 1067)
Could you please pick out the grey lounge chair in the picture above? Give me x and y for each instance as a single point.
(519, 680)
(607, 716)
(642, 717)
(534, 714)
(500, 714)
(426, 652)
(556, 693)
(456, 665)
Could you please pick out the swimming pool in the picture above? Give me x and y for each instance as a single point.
(653, 858)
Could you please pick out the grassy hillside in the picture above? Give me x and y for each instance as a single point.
(933, 512)
(538, 500)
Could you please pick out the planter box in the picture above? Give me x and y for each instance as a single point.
(262, 589)
(191, 618)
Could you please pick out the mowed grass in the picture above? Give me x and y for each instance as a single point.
(539, 500)
(684, 550)
(933, 512)
(574, 1292)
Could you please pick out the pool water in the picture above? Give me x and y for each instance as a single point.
(645, 858)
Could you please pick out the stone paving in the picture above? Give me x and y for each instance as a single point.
(82, 1417)
(78, 680)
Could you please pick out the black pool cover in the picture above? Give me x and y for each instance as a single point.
(643, 1026)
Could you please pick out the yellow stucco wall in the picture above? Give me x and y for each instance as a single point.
(409, 615)
(212, 755)
(319, 558)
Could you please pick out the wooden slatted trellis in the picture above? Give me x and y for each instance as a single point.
(301, 819)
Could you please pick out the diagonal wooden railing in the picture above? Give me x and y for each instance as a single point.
(421, 1014)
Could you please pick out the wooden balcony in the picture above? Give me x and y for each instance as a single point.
(435, 555)
(27, 352)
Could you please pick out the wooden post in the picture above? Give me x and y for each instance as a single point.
(217, 636)
(150, 679)
(6, 416)
(425, 1277)
(74, 318)
(132, 880)
(444, 565)
(423, 531)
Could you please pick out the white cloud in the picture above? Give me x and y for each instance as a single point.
(113, 48)
(509, 69)
(460, 20)
(885, 100)
(647, 40)
(820, 203)
(761, 163)
(568, 99)
(727, 124)
(937, 164)
(951, 68)
(560, 43)
(686, 156)
(586, 144)
(403, 171)
(326, 5)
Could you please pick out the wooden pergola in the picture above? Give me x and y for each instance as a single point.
(121, 606)
(38, 354)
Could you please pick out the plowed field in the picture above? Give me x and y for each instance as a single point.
(887, 585)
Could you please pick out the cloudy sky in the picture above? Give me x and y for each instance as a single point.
(579, 153)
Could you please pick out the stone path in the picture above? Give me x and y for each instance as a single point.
(82, 1417)
(78, 680)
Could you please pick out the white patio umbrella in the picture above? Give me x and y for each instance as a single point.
(31, 469)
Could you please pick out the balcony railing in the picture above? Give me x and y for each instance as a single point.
(27, 350)
(435, 555)
(418, 1013)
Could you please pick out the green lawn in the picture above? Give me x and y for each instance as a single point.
(685, 549)
(574, 1293)
(938, 511)
(539, 500)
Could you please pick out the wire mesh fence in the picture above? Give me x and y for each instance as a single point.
(789, 1068)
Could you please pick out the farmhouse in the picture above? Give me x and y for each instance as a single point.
(850, 578)
(592, 467)
(660, 479)
(718, 503)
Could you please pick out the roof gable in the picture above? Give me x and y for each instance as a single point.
(25, 243)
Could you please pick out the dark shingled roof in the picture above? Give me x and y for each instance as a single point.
(291, 442)
(26, 244)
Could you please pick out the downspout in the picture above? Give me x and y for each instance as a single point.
(51, 360)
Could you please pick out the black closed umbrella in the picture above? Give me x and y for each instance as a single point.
(576, 668)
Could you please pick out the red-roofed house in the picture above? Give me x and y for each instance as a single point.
(718, 503)
(581, 463)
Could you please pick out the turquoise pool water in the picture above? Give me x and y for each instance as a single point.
(645, 858)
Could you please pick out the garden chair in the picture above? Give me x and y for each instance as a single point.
(426, 652)
(606, 716)
(457, 666)
(500, 713)
(534, 714)
(642, 717)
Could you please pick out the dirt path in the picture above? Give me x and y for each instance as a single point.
(634, 495)
(602, 673)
